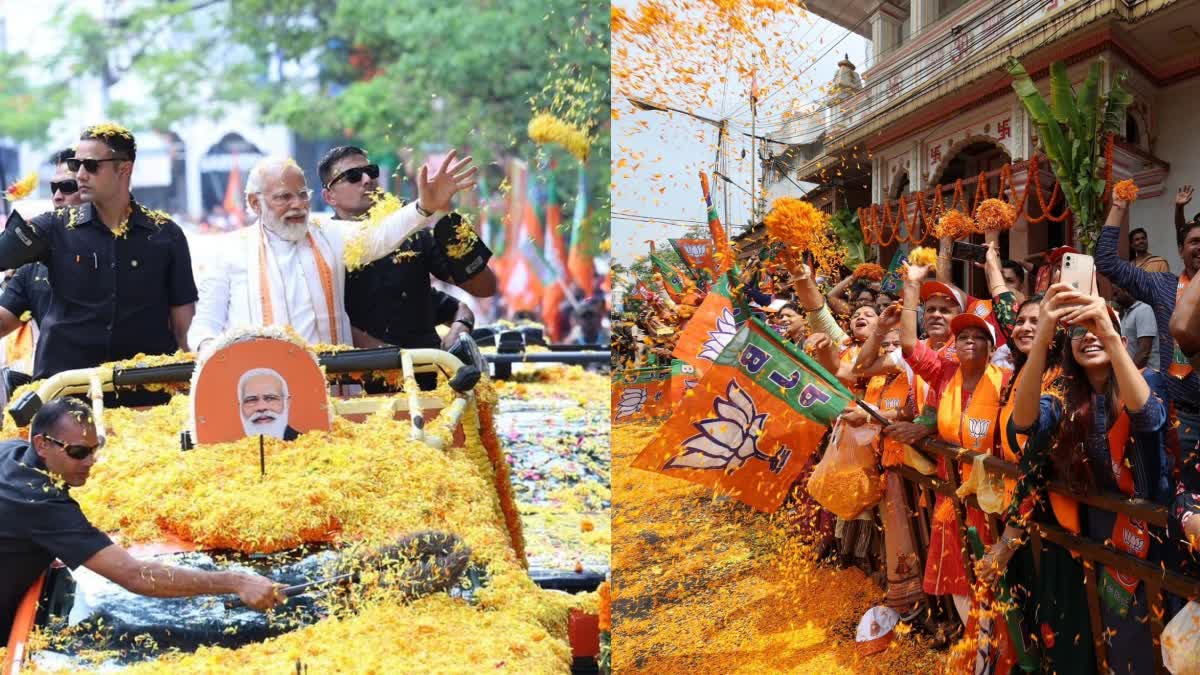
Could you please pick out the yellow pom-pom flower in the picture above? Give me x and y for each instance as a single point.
(994, 215)
(923, 256)
(1125, 190)
(22, 188)
(546, 129)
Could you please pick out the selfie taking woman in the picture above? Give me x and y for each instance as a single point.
(1095, 428)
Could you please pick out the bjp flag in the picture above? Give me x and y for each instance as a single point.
(683, 378)
(711, 328)
(750, 424)
(639, 394)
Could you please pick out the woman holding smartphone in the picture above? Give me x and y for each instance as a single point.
(1096, 428)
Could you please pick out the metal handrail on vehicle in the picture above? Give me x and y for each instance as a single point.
(95, 381)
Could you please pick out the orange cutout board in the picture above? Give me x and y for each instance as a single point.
(259, 386)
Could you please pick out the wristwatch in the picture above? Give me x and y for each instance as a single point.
(468, 324)
(421, 210)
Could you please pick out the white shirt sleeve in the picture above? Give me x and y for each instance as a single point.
(212, 310)
(380, 240)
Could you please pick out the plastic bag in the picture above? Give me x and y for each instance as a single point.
(1181, 641)
(846, 481)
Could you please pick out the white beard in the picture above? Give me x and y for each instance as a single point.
(283, 229)
(275, 428)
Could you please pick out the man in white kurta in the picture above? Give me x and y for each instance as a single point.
(286, 270)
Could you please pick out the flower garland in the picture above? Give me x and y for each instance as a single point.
(604, 659)
(512, 517)
(385, 205)
(545, 129)
(22, 188)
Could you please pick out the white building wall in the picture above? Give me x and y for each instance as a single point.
(1178, 143)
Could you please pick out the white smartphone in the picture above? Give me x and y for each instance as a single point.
(1079, 271)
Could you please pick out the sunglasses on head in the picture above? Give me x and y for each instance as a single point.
(355, 174)
(91, 165)
(75, 452)
(67, 187)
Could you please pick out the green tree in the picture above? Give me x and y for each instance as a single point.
(396, 76)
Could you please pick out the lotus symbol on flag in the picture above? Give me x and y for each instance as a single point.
(729, 439)
(632, 400)
(719, 338)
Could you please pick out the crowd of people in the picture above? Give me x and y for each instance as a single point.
(1099, 396)
(102, 278)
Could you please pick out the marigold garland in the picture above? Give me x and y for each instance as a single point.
(994, 215)
(802, 228)
(605, 592)
(869, 272)
(545, 129)
(1125, 190)
(22, 188)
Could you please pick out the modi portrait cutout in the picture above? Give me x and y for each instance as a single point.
(258, 384)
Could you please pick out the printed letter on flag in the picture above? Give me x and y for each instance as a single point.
(738, 430)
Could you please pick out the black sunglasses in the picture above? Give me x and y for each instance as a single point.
(355, 174)
(67, 187)
(91, 165)
(75, 452)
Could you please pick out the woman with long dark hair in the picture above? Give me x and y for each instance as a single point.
(1096, 427)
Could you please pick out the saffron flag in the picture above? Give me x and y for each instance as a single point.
(555, 251)
(234, 196)
(579, 253)
(640, 394)
(697, 257)
(724, 257)
(711, 328)
(750, 424)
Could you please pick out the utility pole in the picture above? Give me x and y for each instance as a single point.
(753, 148)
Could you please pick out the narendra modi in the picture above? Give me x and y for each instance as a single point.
(264, 400)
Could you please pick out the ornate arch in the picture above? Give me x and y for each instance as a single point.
(957, 147)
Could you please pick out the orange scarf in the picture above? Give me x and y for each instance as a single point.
(888, 393)
(972, 428)
(324, 271)
(1179, 366)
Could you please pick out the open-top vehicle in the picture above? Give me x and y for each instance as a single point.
(395, 530)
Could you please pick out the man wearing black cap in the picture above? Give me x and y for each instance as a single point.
(391, 301)
(121, 273)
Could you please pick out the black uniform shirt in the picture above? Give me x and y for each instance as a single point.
(112, 295)
(38, 523)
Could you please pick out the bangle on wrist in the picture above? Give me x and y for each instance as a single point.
(908, 309)
(470, 326)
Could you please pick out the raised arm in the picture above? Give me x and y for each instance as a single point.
(911, 299)
(945, 268)
(434, 195)
(1028, 391)
(1181, 200)
(836, 297)
(1139, 283)
(1093, 315)
(868, 357)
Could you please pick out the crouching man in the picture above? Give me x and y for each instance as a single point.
(40, 521)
